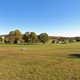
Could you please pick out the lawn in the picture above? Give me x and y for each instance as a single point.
(40, 62)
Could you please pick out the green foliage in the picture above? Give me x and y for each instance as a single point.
(43, 37)
(30, 37)
(78, 39)
(66, 41)
(33, 37)
(72, 40)
(15, 36)
(53, 41)
(26, 37)
(11, 37)
(18, 36)
(1, 39)
(6, 40)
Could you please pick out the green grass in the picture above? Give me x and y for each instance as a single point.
(40, 62)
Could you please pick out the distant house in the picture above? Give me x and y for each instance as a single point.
(1, 39)
(3, 36)
(56, 41)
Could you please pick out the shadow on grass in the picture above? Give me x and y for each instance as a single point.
(74, 55)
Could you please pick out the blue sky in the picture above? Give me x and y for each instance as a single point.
(55, 17)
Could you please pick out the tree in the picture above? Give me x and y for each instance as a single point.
(66, 41)
(6, 39)
(18, 36)
(33, 37)
(1, 39)
(11, 37)
(77, 39)
(72, 40)
(53, 41)
(26, 37)
(43, 37)
(30, 37)
(15, 36)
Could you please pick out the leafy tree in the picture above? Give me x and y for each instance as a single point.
(30, 37)
(18, 36)
(15, 36)
(26, 37)
(11, 37)
(43, 37)
(33, 37)
(66, 41)
(1, 39)
(6, 40)
(77, 39)
(72, 40)
(53, 41)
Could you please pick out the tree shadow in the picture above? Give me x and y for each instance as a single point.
(74, 55)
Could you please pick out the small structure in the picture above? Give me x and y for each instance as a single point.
(56, 41)
(2, 39)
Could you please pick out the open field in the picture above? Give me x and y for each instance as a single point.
(40, 62)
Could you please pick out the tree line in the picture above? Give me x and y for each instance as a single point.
(64, 40)
(16, 37)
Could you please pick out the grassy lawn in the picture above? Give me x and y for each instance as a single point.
(40, 62)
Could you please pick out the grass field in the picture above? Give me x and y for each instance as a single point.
(40, 62)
